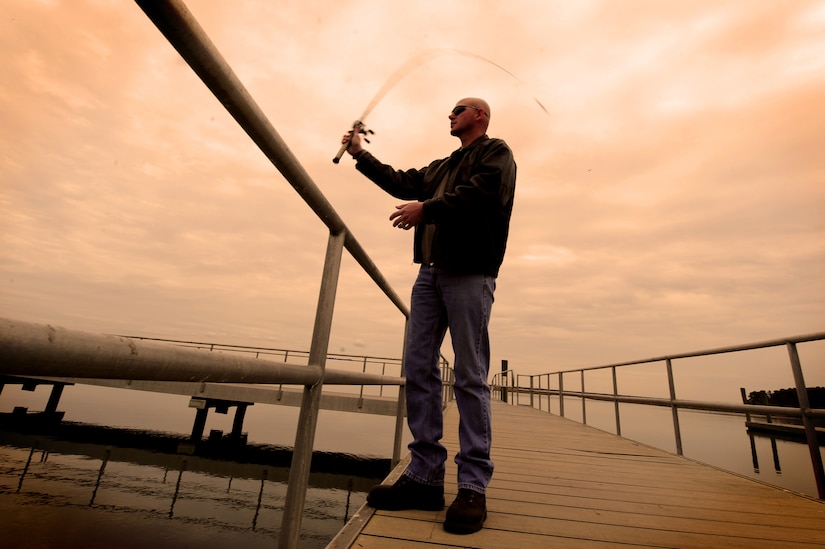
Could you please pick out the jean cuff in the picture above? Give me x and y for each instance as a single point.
(465, 486)
(424, 481)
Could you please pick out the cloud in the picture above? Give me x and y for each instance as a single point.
(670, 200)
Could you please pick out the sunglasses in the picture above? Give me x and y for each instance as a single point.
(461, 108)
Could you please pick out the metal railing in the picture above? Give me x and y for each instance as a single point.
(508, 386)
(178, 25)
(352, 362)
(365, 363)
(34, 350)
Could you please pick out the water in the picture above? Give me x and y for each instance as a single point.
(138, 484)
(60, 490)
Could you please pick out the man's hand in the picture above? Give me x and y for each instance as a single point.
(354, 139)
(407, 215)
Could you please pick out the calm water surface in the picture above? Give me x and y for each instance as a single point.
(139, 484)
(59, 493)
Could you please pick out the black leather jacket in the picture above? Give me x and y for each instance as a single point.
(472, 217)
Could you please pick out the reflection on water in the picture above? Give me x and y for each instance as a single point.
(85, 486)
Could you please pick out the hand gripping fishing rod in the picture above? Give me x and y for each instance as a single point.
(358, 127)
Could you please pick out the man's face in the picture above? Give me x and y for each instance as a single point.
(461, 118)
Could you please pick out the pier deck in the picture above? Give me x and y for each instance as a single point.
(562, 484)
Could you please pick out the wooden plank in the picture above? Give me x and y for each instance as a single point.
(503, 530)
(387, 528)
(561, 484)
(661, 522)
(675, 507)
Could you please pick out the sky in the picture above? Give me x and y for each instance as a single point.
(670, 191)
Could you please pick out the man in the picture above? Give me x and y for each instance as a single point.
(460, 208)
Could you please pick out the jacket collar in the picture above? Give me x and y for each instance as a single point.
(475, 143)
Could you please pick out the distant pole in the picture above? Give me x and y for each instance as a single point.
(504, 369)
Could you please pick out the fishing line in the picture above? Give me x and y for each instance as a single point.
(405, 69)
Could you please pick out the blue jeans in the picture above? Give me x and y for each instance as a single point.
(462, 303)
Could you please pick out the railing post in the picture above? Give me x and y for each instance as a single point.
(531, 391)
(810, 431)
(308, 417)
(584, 401)
(446, 385)
(516, 390)
(504, 368)
(674, 410)
(452, 379)
(401, 405)
(561, 394)
(513, 393)
(616, 402)
(549, 406)
(361, 393)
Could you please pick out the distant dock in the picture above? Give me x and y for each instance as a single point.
(785, 431)
(562, 484)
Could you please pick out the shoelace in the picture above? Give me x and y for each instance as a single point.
(472, 498)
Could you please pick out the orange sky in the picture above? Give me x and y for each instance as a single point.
(672, 199)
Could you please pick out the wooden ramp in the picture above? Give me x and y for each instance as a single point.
(562, 484)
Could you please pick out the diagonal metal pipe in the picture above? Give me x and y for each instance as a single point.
(179, 26)
(183, 32)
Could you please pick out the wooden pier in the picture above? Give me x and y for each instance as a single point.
(562, 484)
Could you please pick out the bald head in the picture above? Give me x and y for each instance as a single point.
(478, 104)
(469, 119)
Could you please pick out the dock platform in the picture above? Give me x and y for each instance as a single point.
(559, 483)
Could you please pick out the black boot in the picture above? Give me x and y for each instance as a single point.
(467, 513)
(406, 493)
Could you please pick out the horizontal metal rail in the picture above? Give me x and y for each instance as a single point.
(816, 336)
(28, 349)
(509, 383)
(287, 354)
(780, 411)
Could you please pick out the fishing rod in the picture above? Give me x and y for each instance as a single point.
(400, 73)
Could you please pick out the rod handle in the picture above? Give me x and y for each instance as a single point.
(341, 152)
(357, 126)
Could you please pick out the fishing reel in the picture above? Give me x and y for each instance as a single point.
(358, 127)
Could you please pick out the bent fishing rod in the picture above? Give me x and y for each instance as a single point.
(401, 72)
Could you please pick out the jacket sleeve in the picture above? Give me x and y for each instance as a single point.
(402, 184)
